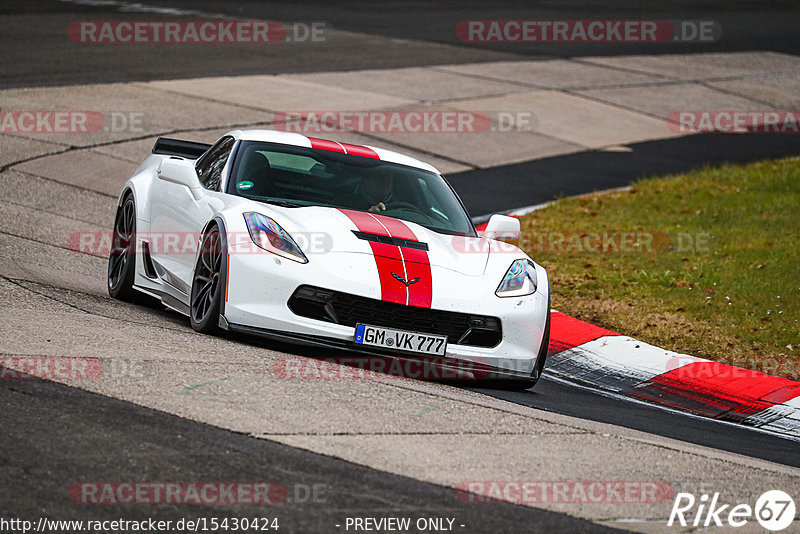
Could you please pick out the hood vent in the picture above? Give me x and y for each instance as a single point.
(377, 238)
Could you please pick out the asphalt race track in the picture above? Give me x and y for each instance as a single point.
(79, 436)
(393, 34)
(176, 406)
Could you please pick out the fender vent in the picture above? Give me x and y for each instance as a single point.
(149, 268)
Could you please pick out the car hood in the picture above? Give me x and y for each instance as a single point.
(320, 230)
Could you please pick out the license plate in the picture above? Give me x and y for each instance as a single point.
(389, 338)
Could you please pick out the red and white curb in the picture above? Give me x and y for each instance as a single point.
(591, 355)
(588, 354)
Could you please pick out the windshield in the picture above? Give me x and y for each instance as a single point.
(296, 176)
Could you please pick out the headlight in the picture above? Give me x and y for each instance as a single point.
(520, 280)
(269, 235)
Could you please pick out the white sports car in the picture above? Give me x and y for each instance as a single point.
(333, 245)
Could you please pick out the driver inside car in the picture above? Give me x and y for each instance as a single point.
(373, 193)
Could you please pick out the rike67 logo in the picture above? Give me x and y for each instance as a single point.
(774, 510)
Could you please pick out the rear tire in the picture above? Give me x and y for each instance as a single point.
(209, 282)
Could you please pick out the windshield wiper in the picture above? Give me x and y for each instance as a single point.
(282, 203)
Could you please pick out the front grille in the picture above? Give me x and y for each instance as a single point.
(349, 310)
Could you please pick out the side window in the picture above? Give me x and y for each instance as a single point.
(209, 166)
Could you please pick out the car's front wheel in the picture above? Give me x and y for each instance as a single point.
(208, 284)
(522, 384)
(122, 259)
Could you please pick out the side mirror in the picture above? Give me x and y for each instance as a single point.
(502, 227)
(181, 172)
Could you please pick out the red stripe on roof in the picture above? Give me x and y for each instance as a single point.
(358, 150)
(324, 144)
(344, 148)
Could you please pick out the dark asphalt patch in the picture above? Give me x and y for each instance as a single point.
(56, 435)
(377, 35)
(507, 187)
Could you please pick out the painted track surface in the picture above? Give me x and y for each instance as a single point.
(598, 358)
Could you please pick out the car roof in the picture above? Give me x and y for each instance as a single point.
(296, 139)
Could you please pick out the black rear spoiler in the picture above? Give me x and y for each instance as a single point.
(176, 147)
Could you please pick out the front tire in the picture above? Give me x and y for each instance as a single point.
(524, 384)
(208, 284)
(122, 258)
(545, 346)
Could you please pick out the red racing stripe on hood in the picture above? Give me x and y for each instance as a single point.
(387, 257)
(391, 260)
(417, 263)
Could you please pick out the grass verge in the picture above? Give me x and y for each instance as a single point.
(704, 263)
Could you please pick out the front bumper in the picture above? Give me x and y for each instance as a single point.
(396, 364)
(261, 285)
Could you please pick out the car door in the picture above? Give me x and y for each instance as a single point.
(177, 218)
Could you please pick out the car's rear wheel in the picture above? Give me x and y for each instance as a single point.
(208, 284)
(122, 259)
